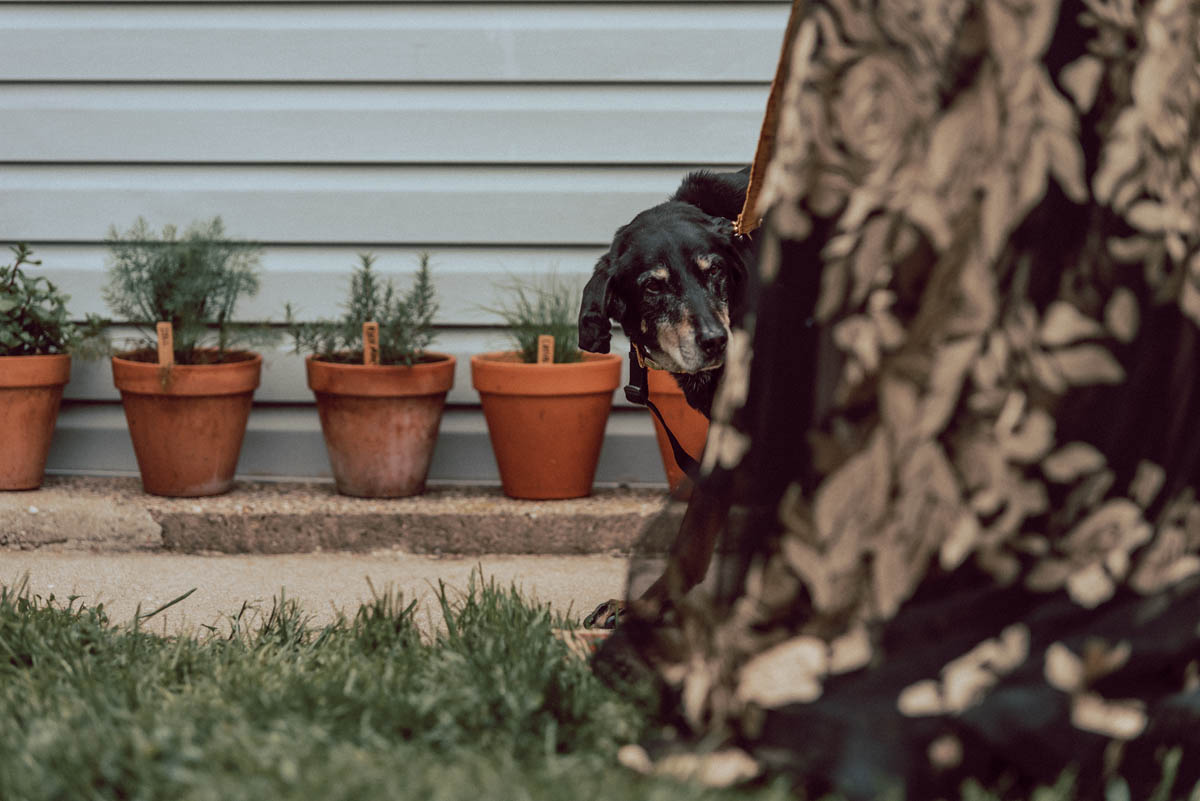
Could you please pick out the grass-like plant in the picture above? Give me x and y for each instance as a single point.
(34, 320)
(405, 320)
(531, 308)
(192, 280)
(265, 705)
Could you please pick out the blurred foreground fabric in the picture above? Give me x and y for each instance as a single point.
(957, 447)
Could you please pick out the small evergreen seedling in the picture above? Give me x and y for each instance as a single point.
(405, 321)
(192, 280)
(33, 312)
(548, 305)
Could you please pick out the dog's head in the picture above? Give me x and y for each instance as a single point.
(670, 279)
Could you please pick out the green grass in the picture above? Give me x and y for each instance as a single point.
(493, 707)
(270, 707)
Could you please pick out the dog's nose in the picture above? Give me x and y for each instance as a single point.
(712, 343)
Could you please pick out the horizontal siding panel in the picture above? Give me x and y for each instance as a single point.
(299, 204)
(316, 280)
(560, 42)
(283, 376)
(377, 124)
(285, 442)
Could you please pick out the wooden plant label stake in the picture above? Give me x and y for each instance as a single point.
(545, 349)
(371, 343)
(166, 344)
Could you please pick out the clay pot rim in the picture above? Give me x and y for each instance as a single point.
(198, 380)
(495, 372)
(381, 380)
(428, 358)
(40, 370)
(239, 356)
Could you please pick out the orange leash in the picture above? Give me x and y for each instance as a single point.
(750, 219)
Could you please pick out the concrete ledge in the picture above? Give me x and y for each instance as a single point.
(113, 514)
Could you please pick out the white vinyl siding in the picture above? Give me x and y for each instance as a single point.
(505, 139)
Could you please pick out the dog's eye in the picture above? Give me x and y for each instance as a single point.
(654, 284)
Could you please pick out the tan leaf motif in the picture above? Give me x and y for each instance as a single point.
(787, 673)
(855, 495)
(1081, 79)
(1048, 575)
(1148, 216)
(1091, 586)
(963, 538)
(1029, 441)
(945, 753)
(1121, 315)
(1066, 164)
(950, 365)
(697, 684)
(1064, 324)
(850, 652)
(1086, 365)
(921, 699)
(1063, 669)
(869, 259)
(1116, 524)
(996, 214)
(898, 406)
(1045, 369)
(1034, 173)
(723, 768)
(1121, 720)
(1165, 562)
(1072, 461)
(964, 685)
(1146, 483)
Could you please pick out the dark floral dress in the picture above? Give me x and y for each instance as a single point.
(958, 442)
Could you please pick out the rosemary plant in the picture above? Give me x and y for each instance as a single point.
(405, 320)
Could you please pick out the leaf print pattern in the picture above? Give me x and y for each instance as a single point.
(963, 526)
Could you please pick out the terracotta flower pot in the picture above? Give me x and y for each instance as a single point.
(546, 421)
(688, 425)
(381, 422)
(31, 389)
(187, 422)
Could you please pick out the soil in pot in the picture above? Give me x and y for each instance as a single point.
(187, 422)
(380, 422)
(31, 390)
(688, 425)
(546, 421)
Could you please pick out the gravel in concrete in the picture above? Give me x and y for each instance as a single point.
(323, 583)
(113, 514)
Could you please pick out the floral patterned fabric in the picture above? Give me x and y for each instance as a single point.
(958, 442)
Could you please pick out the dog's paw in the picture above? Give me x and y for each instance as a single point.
(605, 616)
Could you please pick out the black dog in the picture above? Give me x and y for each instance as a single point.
(671, 278)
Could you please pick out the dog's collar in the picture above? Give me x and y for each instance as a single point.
(638, 391)
(636, 352)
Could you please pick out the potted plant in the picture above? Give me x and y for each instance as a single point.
(380, 398)
(35, 336)
(545, 416)
(187, 392)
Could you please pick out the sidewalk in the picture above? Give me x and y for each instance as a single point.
(113, 514)
(322, 583)
(106, 541)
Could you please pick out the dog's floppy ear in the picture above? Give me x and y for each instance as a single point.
(597, 308)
